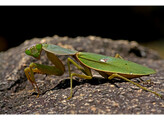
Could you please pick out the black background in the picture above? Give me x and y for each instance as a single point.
(18, 23)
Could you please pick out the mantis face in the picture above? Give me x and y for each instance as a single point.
(34, 50)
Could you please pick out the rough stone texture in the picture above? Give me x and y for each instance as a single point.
(96, 96)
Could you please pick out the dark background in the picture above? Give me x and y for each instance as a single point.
(142, 24)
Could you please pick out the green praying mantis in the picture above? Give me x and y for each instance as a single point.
(108, 67)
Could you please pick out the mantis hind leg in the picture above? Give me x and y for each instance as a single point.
(85, 70)
(119, 76)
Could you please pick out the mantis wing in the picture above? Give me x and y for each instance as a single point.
(111, 64)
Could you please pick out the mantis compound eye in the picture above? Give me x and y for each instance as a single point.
(27, 52)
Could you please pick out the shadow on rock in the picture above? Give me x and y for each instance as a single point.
(94, 81)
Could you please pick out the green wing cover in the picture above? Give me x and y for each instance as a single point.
(111, 64)
(57, 50)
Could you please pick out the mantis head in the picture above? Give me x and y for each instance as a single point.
(34, 50)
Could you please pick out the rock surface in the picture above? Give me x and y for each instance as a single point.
(96, 96)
